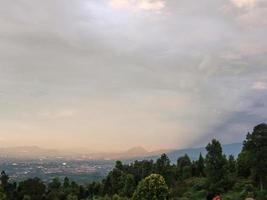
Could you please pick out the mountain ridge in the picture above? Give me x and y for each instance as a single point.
(138, 152)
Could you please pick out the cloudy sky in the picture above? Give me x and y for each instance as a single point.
(113, 74)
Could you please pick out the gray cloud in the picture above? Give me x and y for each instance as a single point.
(160, 75)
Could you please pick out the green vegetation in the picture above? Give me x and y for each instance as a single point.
(234, 179)
(152, 187)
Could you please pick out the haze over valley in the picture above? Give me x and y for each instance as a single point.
(29, 162)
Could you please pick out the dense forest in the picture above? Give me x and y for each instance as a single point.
(233, 178)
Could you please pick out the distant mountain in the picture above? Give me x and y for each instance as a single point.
(138, 153)
(135, 152)
(35, 152)
(193, 153)
(29, 152)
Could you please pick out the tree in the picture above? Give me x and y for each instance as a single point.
(183, 161)
(152, 187)
(201, 166)
(55, 190)
(164, 168)
(162, 162)
(8, 188)
(55, 184)
(94, 189)
(255, 148)
(184, 167)
(119, 165)
(129, 185)
(216, 170)
(33, 188)
(113, 182)
(243, 165)
(4, 179)
(232, 165)
(140, 169)
(66, 182)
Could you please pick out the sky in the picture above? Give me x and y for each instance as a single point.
(108, 75)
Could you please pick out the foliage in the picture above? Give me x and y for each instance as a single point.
(184, 167)
(216, 167)
(255, 147)
(152, 187)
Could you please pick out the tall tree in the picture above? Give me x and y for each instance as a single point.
(232, 165)
(255, 146)
(164, 168)
(4, 180)
(8, 188)
(243, 164)
(129, 185)
(215, 167)
(201, 165)
(113, 183)
(184, 167)
(163, 163)
(33, 188)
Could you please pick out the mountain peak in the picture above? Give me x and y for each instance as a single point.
(139, 150)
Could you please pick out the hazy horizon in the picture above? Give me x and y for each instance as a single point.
(34, 152)
(108, 75)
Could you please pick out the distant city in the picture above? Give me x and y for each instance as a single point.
(26, 162)
(80, 171)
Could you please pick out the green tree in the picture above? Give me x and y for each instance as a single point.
(255, 146)
(164, 168)
(243, 165)
(55, 184)
(55, 190)
(152, 187)
(183, 161)
(119, 165)
(4, 179)
(33, 188)
(162, 163)
(66, 182)
(94, 189)
(113, 183)
(232, 165)
(200, 166)
(216, 170)
(129, 185)
(9, 189)
(141, 169)
(184, 167)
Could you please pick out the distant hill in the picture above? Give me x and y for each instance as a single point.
(30, 152)
(139, 153)
(136, 151)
